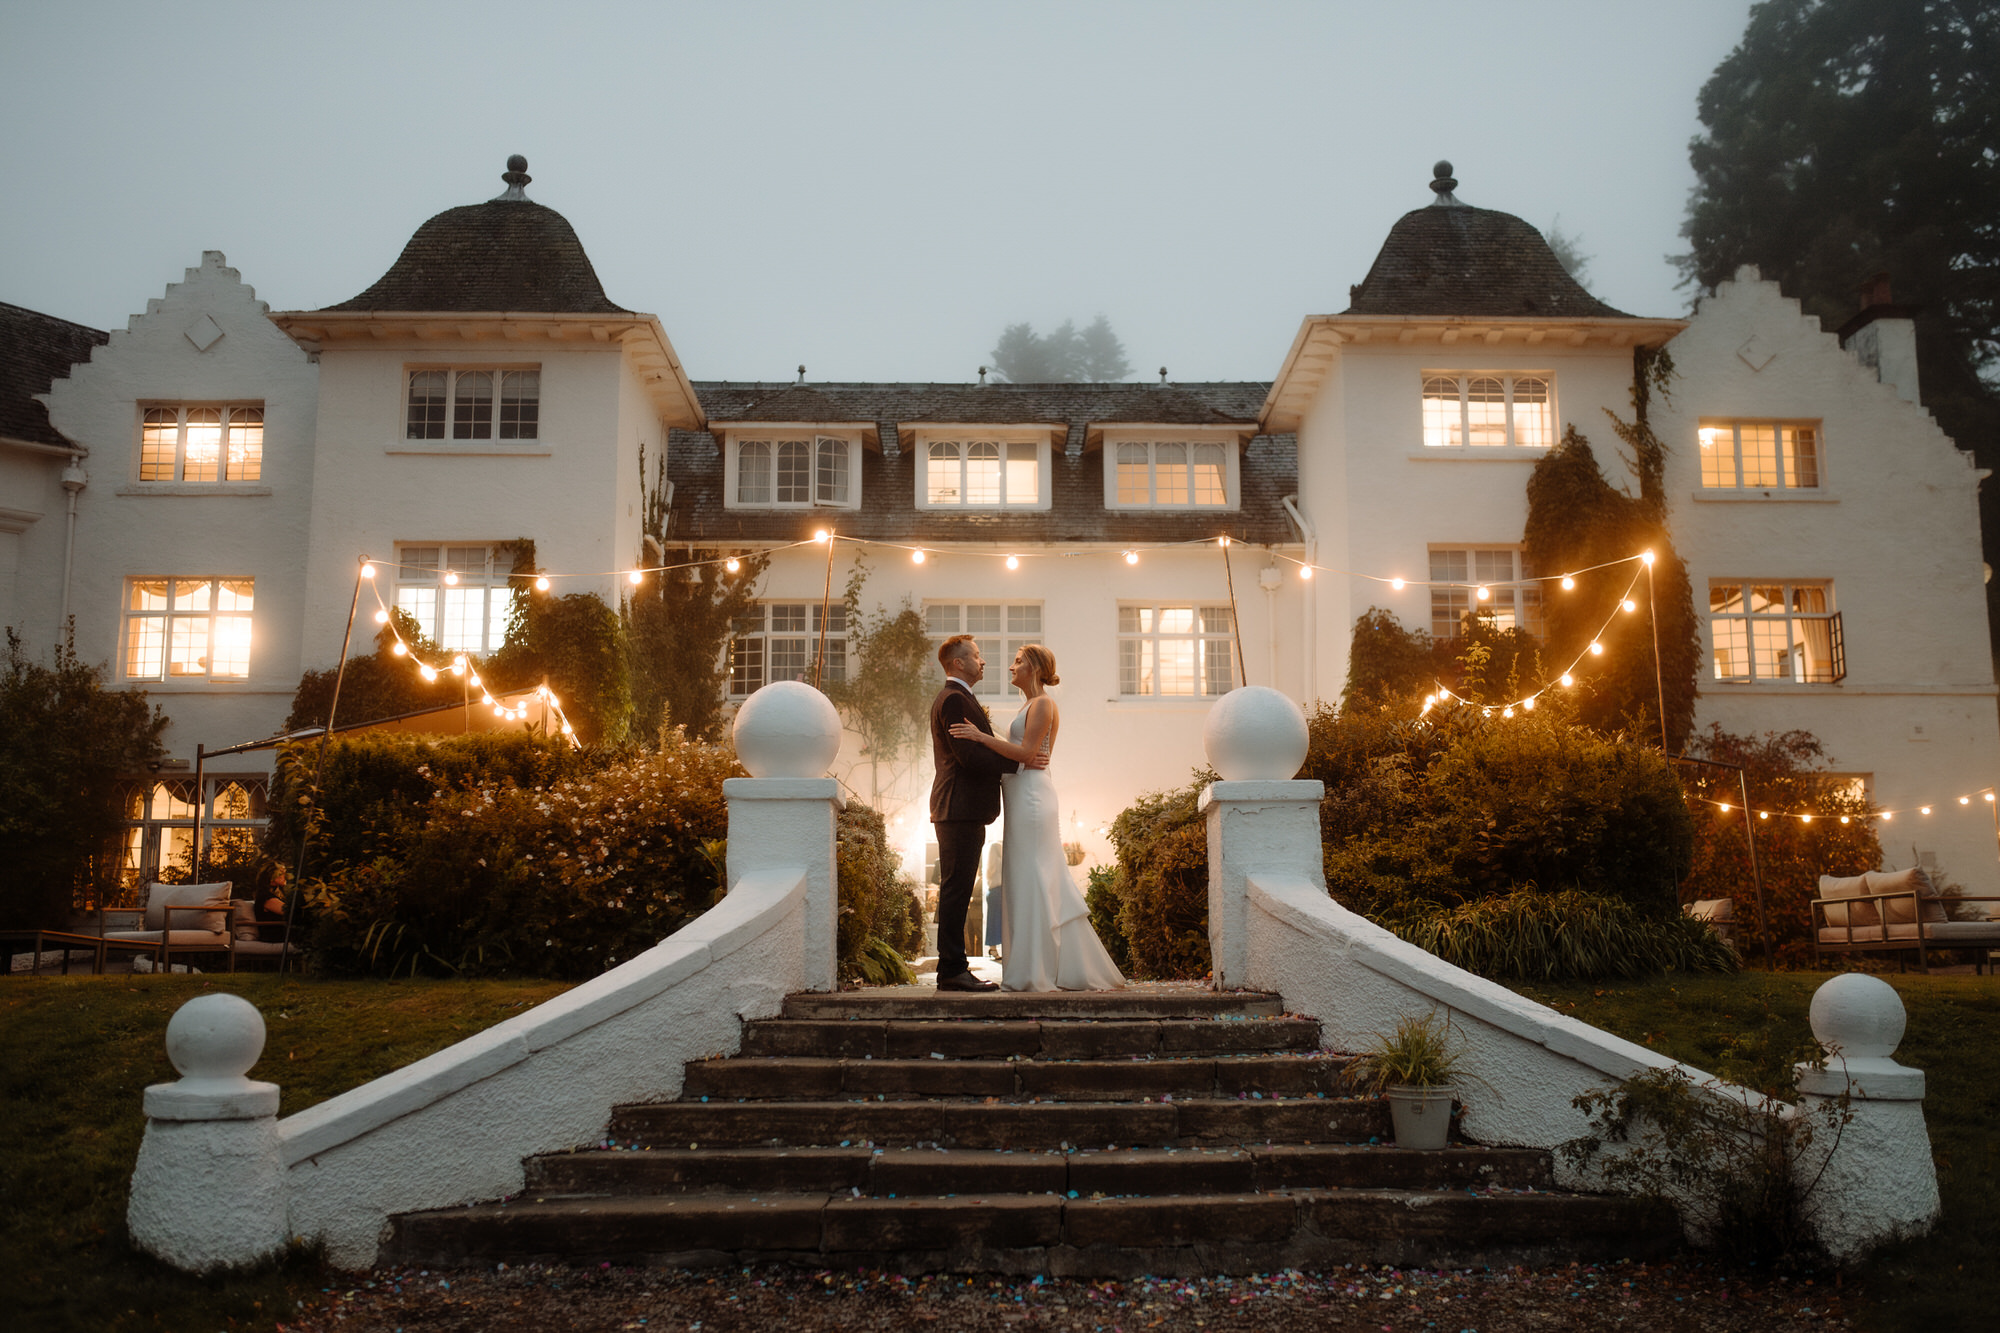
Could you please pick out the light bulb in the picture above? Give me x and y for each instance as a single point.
(1805, 819)
(428, 672)
(917, 556)
(474, 681)
(1567, 679)
(451, 578)
(541, 583)
(382, 617)
(1013, 562)
(1305, 571)
(732, 564)
(1429, 699)
(1724, 807)
(1528, 704)
(1596, 648)
(1646, 556)
(1222, 540)
(1843, 819)
(820, 535)
(1569, 584)
(1965, 800)
(1763, 814)
(498, 711)
(486, 699)
(567, 730)
(1484, 592)
(1397, 584)
(367, 570)
(1629, 604)
(458, 667)
(397, 648)
(1886, 815)
(1924, 810)
(1486, 712)
(1507, 712)
(1131, 557)
(1989, 795)
(634, 577)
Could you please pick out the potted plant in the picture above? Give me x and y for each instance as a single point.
(1413, 1070)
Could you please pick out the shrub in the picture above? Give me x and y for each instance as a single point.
(1528, 935)
(1162, 884)
(881, 919)
(1100, 896)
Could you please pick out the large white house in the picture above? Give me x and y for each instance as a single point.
(197, 491)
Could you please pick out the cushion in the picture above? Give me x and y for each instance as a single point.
(1845, 935)
(242, 919)
(1962, 932)
(159, 897)
(1842, 914)
(179, 939)
(1712, 909)
(1903, 881)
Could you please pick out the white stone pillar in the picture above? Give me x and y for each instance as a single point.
(783, 816)
(1259, 817)
(209, 1188)
(1876, 1181)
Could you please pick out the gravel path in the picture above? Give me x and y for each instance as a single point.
(1639, 1298)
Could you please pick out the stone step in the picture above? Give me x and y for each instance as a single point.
(1046, 1233)
(1024, 1038)
(769, 1078)
(1136, 1003)
(1000, 1124)
(930, 1172)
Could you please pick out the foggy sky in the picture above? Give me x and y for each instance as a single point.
(872, 189)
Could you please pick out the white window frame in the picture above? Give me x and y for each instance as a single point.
(1514, 594)
(159, 819)
(246, 417)
(1787, 634)
(964, 438)
(1438, 434)
(1719, 450)
(441, 609)
(820, 445)
(793, 626)
(496, 428)
(1118, 442)
(1211, 663)
(168, 633)
(1001, 625)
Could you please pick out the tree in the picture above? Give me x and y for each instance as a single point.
(1845, 138)
(65, 741)
(378, 684)
(1568, 250)
(887, 694)
(1063, 356)
(677, 627)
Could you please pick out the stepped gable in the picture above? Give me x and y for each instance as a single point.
(507, 254)
(1165, 1129)
(1453, 259)
(36, 350)
(888, 511)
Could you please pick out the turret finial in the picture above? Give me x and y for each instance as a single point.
(517, 178)
(1443, 185)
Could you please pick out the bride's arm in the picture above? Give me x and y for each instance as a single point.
(1041, 716)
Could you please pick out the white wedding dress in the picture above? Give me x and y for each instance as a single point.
(1046, 939)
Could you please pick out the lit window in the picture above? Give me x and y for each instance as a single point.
(794, 473)
(1488, 411)
(463, 400)
(1759, 456)
(1171, 650)
(466, 613)
(187, 628)
(224, 442)
(1001, 628)
(983, 473)
(781, 641)
(1172, 473)
(1513, 594)
(1775, 632)
(158, 838)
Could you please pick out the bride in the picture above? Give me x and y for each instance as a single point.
(1046, 939)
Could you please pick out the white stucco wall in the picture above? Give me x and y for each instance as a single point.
(1894, 526)
(33, 521)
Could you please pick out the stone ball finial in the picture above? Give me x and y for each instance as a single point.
(1255, 733)
(215, 1038)
(788, 729)
(1858, 1017)
(517, 163)
(517, 178)
(1442, 183)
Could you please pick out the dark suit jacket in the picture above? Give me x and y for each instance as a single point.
(967, 785)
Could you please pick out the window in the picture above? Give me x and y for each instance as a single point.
(1174, 650)
(794, 473)
(983, 473)
(1776, 631)
(1000, 627)
(1514, 596)
(224, 442)
(780, 641)
(1488, 411)
(187, 628)
(1759, 456)
(460, 404)
(1190, 474)
(158, 837)
(458, 595)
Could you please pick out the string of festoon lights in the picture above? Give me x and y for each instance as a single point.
(1985, 796)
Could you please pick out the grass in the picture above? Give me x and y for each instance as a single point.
(76, 1055)
(1751, 1026)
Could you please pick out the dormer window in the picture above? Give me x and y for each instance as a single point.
(473, 404)
(1169, 473)
(977, 470)
(1489, 411)
(794, 473)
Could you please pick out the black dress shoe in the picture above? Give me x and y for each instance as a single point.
(966, 981)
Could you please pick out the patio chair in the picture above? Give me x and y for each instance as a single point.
(1896, 911)
(181, 920)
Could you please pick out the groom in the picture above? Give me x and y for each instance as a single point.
(965, 798)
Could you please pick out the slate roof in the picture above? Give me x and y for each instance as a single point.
(502, 255)
(888, 512)
(36, 349)
(1452, 259)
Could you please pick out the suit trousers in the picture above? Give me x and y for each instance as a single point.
(959, 843)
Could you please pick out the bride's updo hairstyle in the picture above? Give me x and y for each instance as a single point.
(1043, 661)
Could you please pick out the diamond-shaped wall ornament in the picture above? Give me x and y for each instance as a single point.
(1755, 355)
(204, 333)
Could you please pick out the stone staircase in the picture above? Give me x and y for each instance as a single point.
(1164, 1130)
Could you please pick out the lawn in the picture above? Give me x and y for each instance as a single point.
(1751, 1026)
(76, 1055)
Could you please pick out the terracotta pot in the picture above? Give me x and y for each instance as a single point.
(1422, 1116)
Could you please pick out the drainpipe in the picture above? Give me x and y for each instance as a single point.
(1270, 580)
(73, 480)
(1309, 650)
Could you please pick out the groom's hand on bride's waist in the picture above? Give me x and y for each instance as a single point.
(1038, 761)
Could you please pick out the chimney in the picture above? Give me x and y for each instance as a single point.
(1883, 337)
